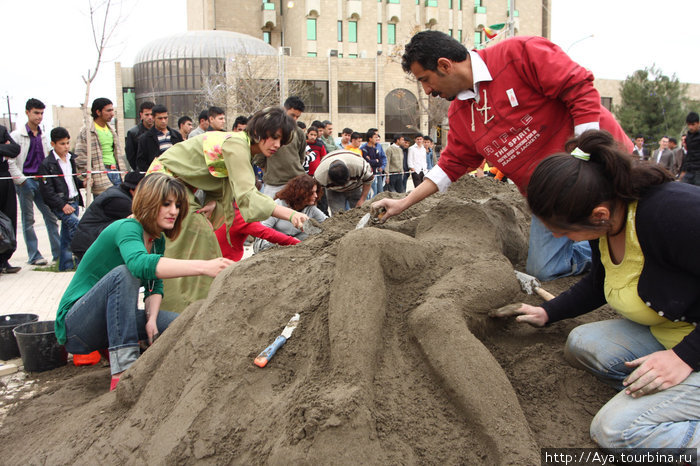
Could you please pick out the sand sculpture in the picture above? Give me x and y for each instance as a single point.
(387, 366)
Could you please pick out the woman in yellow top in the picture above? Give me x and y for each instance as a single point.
(644, 231)
(216, 167)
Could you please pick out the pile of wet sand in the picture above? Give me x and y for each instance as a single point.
(394, 361)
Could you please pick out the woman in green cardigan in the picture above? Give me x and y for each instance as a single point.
(216, 167)
(99, 309)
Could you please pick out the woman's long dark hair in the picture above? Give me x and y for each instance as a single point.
(564, 190)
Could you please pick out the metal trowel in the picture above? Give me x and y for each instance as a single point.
(375, 215)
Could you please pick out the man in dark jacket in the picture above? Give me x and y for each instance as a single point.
(156, 140)
(132, 136)
(60, 189)
(690, 170)
(110, 206)
(9, 149)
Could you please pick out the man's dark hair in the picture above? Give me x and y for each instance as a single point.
(692, 118)
(34, 103)
(58, 133)
(159, 109)
(355, 135)
(265, 124)
(639, 136)
(182, 120)
(673, 140)
(326, 123)
(427, 138)
(371, 132)
(347, 131)
(338, 173)
(240, 120)
(147, 105)
(318, 124)
(398, 136)
(204, 115)
(312, 128)
(427, 46)
(301, 124)
(98, 104)
(216, 111)
(294, 102)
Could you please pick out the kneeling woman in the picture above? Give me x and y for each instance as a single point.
(99, 309)
(301, 194)
(643, 230)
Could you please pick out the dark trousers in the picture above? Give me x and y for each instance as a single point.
(417, 178)
(395, 184)
(8, 206)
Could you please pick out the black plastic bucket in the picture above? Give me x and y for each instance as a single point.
(8, 343)
(38, 346)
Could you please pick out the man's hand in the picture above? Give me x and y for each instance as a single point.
(655, 372)
(68, 209)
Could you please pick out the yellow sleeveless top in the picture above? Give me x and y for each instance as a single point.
(621, 281)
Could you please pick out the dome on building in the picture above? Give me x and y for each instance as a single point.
(178, 70)
(203, 44)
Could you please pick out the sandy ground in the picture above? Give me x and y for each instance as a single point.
(395, 360)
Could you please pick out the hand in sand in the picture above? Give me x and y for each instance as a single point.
(655, 372)
(535, 316)
(298, 220)
(212, 267)
(391, 207)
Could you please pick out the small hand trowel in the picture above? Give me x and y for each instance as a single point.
(264, 357)
(374, 214)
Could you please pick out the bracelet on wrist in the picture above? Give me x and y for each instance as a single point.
(291, 217)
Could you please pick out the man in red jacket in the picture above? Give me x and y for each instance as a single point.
(513, 104)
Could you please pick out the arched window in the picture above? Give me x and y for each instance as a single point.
(401, 112)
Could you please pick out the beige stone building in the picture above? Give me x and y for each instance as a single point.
(345, 54)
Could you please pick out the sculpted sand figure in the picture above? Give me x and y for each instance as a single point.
(386, 366)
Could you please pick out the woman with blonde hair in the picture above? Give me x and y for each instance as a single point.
(99, 309)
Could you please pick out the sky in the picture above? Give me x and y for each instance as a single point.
(612, 38)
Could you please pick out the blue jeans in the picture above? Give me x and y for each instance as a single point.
(341, 201)
(377, 185)
(115, 177)
(667, 419)
(69, 223)
(549, 257)
(28, 193)
(107, 316)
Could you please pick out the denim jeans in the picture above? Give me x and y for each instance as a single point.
(691, 178)
(107, 316)
(29, 194)
(114, 176)
(69, 223)
(339, 201)
(377, 185)
(667, 419)
(549, 257)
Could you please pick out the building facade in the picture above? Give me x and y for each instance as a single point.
(342, 56)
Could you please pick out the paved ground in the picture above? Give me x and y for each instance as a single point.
(31, 291)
